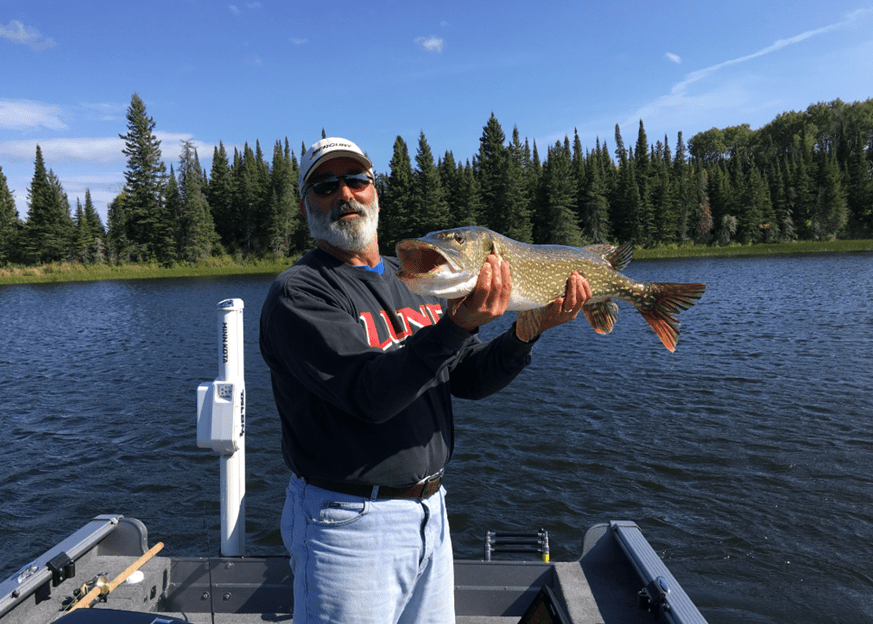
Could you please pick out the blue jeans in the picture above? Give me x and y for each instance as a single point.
(364, 561)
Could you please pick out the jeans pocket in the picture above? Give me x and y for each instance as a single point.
(337, 513)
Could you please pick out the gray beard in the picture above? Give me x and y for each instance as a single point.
(355, 235)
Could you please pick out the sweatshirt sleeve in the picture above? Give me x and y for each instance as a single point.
(488, 367)
(308, 338)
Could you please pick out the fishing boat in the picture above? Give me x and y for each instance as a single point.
(107, 572)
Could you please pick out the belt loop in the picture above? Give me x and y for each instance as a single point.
(374, 495)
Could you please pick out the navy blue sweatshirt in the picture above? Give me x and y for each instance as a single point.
(363, 372)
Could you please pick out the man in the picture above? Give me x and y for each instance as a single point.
(363, 374)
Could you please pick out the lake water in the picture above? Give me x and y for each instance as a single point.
(745, 456)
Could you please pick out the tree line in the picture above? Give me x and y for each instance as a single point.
(804, 176)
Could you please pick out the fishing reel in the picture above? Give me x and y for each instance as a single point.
(100, 581)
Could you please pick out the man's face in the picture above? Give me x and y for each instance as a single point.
(347, 218)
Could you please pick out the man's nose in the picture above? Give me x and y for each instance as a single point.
(345, 190)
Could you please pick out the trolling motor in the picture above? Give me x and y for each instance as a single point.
(221, 424)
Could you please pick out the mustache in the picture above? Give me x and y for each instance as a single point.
(347, 207)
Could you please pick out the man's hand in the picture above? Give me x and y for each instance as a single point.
(488, 300)
(532, 323)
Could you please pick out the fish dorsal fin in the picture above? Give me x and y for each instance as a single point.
(618, 257)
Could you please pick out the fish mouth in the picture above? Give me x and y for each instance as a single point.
(418, 259)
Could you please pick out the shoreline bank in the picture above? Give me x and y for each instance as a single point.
(223, 267)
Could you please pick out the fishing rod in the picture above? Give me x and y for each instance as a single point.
(102, 590)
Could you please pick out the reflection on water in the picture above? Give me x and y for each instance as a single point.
(744, 455)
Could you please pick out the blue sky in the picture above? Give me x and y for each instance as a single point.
(243, 71)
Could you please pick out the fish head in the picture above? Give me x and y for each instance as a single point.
(445, 263)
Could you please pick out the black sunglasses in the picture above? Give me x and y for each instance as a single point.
(328, 186)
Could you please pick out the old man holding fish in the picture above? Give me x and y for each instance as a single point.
(363, 373)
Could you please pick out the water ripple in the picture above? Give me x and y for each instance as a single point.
(744, 455)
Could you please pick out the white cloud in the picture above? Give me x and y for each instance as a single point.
(674, 57)
(105, 111)
(297, 41)
(775, 46)
(95, 163)
(233, 9)
(431, 44)
(100, 150)
(734, 92)
(17, 32)
(27, 114)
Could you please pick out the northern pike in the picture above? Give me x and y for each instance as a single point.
(447, 264)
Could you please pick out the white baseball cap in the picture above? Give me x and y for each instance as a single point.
(328, 149)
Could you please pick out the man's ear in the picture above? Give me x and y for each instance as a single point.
(303, 208)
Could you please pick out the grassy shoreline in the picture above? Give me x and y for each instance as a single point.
(75, 272)
(226, 266)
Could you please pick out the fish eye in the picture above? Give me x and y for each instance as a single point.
(458, 238)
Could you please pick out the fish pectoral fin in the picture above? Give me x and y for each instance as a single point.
(601, 315)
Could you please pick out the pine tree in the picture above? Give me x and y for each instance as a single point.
(118, 245)
(801, 192)
(787, 229)
(561, 227)
(754, 210)
(686, 191)
(625, 201)
(469, 197)
(49, 229)
(219, 193)
(647, 233)
(580, 177)
(719, 192)
(517, 224)
(829, 214)
(260, 217)
(665, 213)
(430, 211)
(283, 204)
(536, 196)
(83, 237)
(859, 191)
(173, 206)
(702, 222)
(94, 222)
(10, 224)
(251, 196)
(96, 246)
(450, 178)
(532, 172)
(491, 167)
(395, 201)
(779, 230)
(145, 178)
(594, 206)
(195, 229)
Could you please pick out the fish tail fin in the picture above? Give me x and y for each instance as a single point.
(670, 299)
(601, 315)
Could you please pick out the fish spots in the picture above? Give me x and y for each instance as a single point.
(540, 274)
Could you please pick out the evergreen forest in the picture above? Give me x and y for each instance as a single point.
(804, 176)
